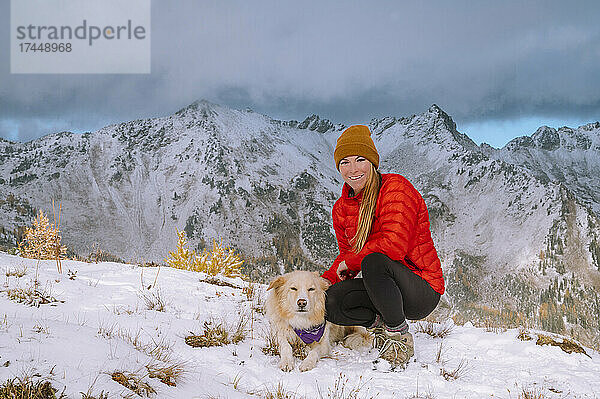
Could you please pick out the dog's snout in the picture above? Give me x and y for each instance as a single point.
(302, 303)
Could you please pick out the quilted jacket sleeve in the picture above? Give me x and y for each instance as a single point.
(343, 245)
(399, 208)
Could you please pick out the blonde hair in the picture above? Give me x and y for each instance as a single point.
(367, 210)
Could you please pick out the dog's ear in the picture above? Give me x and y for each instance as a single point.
(323, 282)
(278, 282)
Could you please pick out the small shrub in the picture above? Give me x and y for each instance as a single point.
(182, 257)
(42, 241)
(219, 260)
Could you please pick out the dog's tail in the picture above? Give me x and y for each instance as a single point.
(357, 337)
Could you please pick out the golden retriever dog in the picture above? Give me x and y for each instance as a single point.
(295, 306)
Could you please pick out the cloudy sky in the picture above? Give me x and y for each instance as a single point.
(499, 69)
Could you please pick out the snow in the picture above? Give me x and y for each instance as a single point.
(78, 343)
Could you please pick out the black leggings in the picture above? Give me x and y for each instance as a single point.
(387, 288)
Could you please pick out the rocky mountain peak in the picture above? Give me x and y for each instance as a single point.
(546, 138)
(314, 122)
(437, 112)
(591, 126)
(443, 128)
(203, 106)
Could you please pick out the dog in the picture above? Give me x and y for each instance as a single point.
(295, 306)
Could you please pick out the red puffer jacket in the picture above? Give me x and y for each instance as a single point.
(400, 230)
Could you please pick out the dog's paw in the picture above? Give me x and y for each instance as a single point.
(307, 364)
(286, 364)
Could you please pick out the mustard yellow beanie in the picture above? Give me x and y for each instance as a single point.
(357, 141)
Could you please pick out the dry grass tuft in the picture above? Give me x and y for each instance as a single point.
(122, 309)
(17, 272)
(98, 255)
(531, 394)
(153, 299)
(419, 395)
(133, 382)
(31, 296)
(494, 325)
(436, 330)
(26, 388)
(88, 395)
(566, 345)
(160, 350)
(250, 291)
(40, 327)
(167, 374)
(258, 301)
(460, 371)
(219, 282)
(524, 334)
(278, 392)
(272, 347)
(341, 390)
(220, 333)
(439, 356)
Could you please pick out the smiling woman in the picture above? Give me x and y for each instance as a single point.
(382, 228)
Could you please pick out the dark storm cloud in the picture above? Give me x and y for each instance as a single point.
(346, 61)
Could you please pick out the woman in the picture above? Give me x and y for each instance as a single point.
(382, 228)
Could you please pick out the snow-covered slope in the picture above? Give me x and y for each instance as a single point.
(101, 324)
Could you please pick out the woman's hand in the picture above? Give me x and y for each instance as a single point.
(342, 271)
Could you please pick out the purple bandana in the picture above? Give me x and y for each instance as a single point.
(312, 335)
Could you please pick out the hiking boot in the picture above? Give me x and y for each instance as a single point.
(397, 348)
(377, 331)
(379, 336)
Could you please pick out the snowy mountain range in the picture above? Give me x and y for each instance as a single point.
(515, 227)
